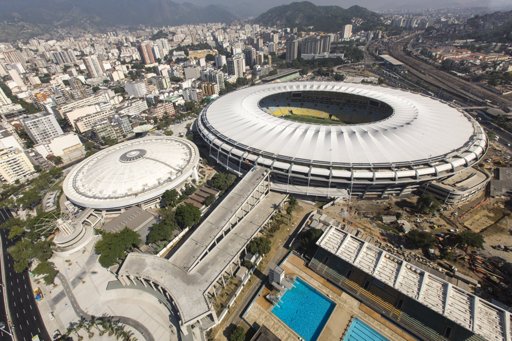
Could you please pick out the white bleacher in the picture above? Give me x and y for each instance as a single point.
(387, 269)
(350, 249)
(410, 281)
(369, 258)
(489, 321)
(460, 307)
(465, 309)
(434, 293)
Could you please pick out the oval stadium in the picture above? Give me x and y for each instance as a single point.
(332, 139)
(135, 172)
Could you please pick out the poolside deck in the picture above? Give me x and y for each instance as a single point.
(346, 308)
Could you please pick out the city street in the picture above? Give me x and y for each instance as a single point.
(25, 315)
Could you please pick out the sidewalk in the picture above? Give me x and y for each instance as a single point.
(80, 290)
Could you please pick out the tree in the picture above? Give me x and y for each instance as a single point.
(309, 238)
(170, 198)
(222, 181)
(470, 239)
(209, 200)
(238, 334)
(427, 203)
(48, 270)
(187, 215)
(292, 204)
(159, 232)
(113, 246)
(420, 239)
(260, 245)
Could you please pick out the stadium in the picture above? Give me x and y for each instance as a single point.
(329, 139)
(133, 173)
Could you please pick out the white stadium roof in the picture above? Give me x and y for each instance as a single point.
(132, 172)
(419, 129)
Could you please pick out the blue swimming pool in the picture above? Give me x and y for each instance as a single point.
(360, 331)
(304, 310)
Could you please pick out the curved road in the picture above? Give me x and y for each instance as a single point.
(80, 312)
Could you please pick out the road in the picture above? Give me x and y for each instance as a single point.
(25, 315)
(473, 93)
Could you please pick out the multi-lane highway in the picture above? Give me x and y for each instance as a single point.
(25, 316)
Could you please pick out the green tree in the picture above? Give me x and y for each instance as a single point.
(222, 181)
(467, 239)
(420, 239)
(187, 215)
(48, 270)
(170, 198)
(209, 200)
(159, 232)
(238, 334)
(260, 245)
(427, 203)
(309, 238)
(113, 246)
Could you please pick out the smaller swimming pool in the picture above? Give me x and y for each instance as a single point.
(360, 331)
(304, 309)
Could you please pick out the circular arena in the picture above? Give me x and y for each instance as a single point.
(135, 172)
(331, 139)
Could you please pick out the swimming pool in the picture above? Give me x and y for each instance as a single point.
(304, 309)
(360, 331)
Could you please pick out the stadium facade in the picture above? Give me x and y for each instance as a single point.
(375, 141)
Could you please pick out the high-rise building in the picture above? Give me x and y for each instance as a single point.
(136, 89)
(346, 31)
(292, 50)
(146, 52)
(14, 166)
(316, 44)
(236, 65)
(41, 127)
(260, 58)
(4, 100)
(220, 61)
(93, 66)
(250, 56)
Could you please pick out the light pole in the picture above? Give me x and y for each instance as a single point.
(2, 329)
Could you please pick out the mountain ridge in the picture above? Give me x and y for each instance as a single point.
(322, 18)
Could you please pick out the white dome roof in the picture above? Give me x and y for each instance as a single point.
(420, 128)
(131, 172)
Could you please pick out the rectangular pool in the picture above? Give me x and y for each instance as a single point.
(304, 309)
(360, 331)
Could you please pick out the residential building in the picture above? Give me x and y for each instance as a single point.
(93, 66)
(146, 52)
(14, 166)
(134, 107)
(236, 65)
(4, 100)
(162, 109)
(346, 31)
(292, 49)
(41, 127)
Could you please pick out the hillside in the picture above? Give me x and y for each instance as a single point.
(110, 12)
(320, 18)
(493, 27)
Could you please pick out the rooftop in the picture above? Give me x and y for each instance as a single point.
(132, 172)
